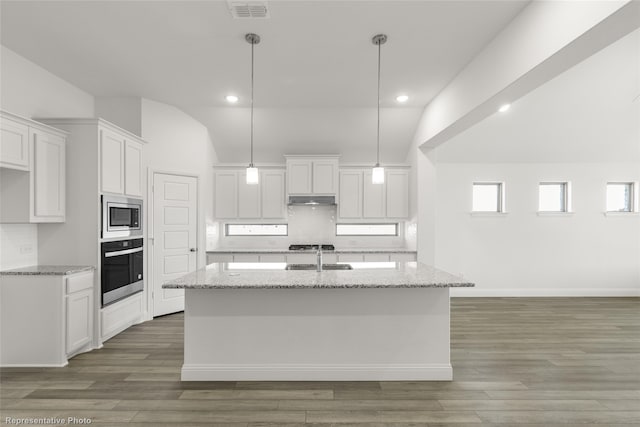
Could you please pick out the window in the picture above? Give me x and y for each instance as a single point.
(256, 229)
(554, 197)
(620, 197)
(367, 229)
(488, 197)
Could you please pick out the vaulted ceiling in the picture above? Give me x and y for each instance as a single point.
(315, 81)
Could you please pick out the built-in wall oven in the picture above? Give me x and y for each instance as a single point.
(121, 217)
(122, 263)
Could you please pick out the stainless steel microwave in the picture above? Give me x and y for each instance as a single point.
(121, 217)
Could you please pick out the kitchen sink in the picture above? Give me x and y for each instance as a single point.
(314, 267)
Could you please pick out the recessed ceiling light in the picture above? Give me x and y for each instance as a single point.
(231, 98)
(504, 108)
(402, 98)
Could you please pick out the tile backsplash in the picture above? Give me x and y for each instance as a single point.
(18, 245)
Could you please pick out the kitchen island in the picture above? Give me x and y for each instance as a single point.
(380, 321)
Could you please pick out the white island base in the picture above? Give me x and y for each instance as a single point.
(355, 334)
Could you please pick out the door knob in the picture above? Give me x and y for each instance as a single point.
(193, 250)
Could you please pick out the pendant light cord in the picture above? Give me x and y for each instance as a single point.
(251, 163)
(378, 136)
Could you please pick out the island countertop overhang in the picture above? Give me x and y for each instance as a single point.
(273, 276)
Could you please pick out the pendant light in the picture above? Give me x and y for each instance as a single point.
(252, 171)
(377, 174)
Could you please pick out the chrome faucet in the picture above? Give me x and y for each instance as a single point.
(319, 259)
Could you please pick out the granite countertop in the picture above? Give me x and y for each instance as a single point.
(336, 251)
(273, 276)
(46, 270)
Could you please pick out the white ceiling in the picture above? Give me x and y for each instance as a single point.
(315, 67)
(590, 113)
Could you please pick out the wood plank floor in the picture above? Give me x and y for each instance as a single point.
(517, 362)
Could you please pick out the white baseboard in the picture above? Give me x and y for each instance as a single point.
(193, 372)
(33, 365)
(545, 292)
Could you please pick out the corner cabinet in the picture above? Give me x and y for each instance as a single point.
(235, 199)
(361, 199)
(312, 175)
(33, 171)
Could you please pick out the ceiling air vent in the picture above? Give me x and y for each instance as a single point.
(244, 10)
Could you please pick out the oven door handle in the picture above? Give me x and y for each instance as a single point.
(125, 252)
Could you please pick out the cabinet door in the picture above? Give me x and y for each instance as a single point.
(79, 319)
(325, 176)
(48, 178)
(397, 187)
(111, 162)
(374, 198)
(248, 198)
(273, 200)
(14, 145)
(226, 194)
(133, 169)
(299, 176)
(350, 201)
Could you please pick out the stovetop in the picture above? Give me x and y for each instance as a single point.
(308, 247)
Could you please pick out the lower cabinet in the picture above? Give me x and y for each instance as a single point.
(118, 316)
(79, 320)
(311, 257)
(45, 319)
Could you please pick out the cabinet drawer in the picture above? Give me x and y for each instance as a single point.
(79, 282)
(219, 258)
(376, 257)
(402, 257)
(301, 258)
(245, 258)
(350, 257)
(273, 258)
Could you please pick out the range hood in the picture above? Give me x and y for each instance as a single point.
(312, 201)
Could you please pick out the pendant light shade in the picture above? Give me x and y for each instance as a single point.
(377, 174)
(252, 171)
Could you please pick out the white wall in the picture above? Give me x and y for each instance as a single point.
(30, 91)
(523, 254)
(125, 112)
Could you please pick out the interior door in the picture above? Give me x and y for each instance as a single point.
(175, 215)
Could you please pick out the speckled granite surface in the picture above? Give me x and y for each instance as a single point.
(46, 270)
(273, 276)
(337, 251)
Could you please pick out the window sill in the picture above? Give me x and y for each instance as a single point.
(622, 214)
(542, 213)
(489, 214)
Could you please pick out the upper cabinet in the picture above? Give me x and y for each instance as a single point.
(361, 199)
(33, 173)
(14, 144)
(235, 199)
(317, 175)
(120, 163)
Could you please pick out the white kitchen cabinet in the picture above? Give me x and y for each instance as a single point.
(14, 144)
(361, 199)
(133, 169)
(235, 199)
(79, 317)
(312, 175)
(36, 194)
(299, 173)
(325, 176)
(374, 203)
(397, 193)
(120, 164)
(403, 257)
(350, 200)
(48, 177)
(226, 194)
(55, 317)
(248, 198)
(112, 161)
(272, 194)
(352, 257)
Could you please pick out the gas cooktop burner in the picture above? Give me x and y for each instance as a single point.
(308, 247)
